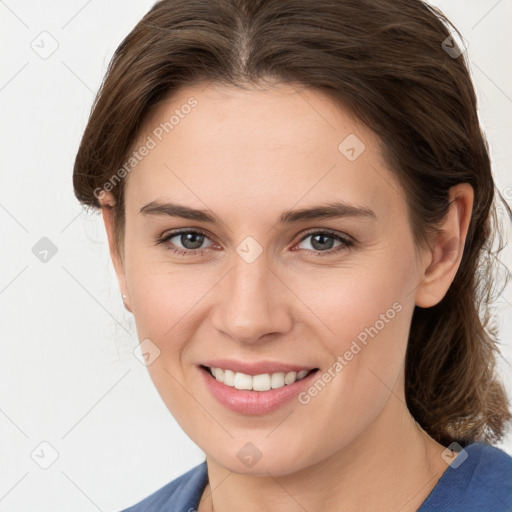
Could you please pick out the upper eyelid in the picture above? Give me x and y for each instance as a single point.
(328, 232)
(171, 234)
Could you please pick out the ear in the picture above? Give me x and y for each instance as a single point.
(107, 204)
(441, 262)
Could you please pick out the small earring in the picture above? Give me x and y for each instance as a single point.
(124, 296)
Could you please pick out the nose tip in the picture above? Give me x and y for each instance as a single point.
(252, 304)
(249, 333)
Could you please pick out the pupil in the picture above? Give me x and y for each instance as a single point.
(322, 242)
(192, 240)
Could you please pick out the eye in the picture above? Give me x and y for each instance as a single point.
(191, 242)
(325, 242)
(185, 242)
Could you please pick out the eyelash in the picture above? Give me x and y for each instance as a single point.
(346, 243)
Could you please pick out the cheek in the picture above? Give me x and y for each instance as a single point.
(162, 293)
(165, 303)
(359, 303)
(366, 313)
(366, 323)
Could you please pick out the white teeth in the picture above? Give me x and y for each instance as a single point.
(229, 378)
(290, 377)
(277, 380)
(302, 374)
(243, 381)
(263, 382)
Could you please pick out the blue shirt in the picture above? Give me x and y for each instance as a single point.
(481, 483)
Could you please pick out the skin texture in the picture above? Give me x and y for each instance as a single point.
(247, 156)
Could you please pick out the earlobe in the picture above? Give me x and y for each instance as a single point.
(442, 261)
(107, 204)
(125, 302)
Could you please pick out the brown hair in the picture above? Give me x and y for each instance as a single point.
(393, 64)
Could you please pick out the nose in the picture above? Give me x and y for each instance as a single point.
(252, 303)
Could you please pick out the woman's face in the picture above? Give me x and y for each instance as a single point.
(298, 256)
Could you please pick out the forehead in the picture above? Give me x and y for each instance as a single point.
(260, 146)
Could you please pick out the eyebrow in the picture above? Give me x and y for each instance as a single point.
(337, 209)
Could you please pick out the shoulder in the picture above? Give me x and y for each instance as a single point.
(479, 478)
(181, 494)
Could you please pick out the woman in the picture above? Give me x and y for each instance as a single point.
(298, 201)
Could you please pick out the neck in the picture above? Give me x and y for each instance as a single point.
(391, 466)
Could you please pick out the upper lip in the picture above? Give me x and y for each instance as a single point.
(254, 367)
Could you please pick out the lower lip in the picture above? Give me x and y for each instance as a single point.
(254, 402)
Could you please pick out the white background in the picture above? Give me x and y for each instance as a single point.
(67, 372)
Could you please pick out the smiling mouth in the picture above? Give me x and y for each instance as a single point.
(262, 382)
